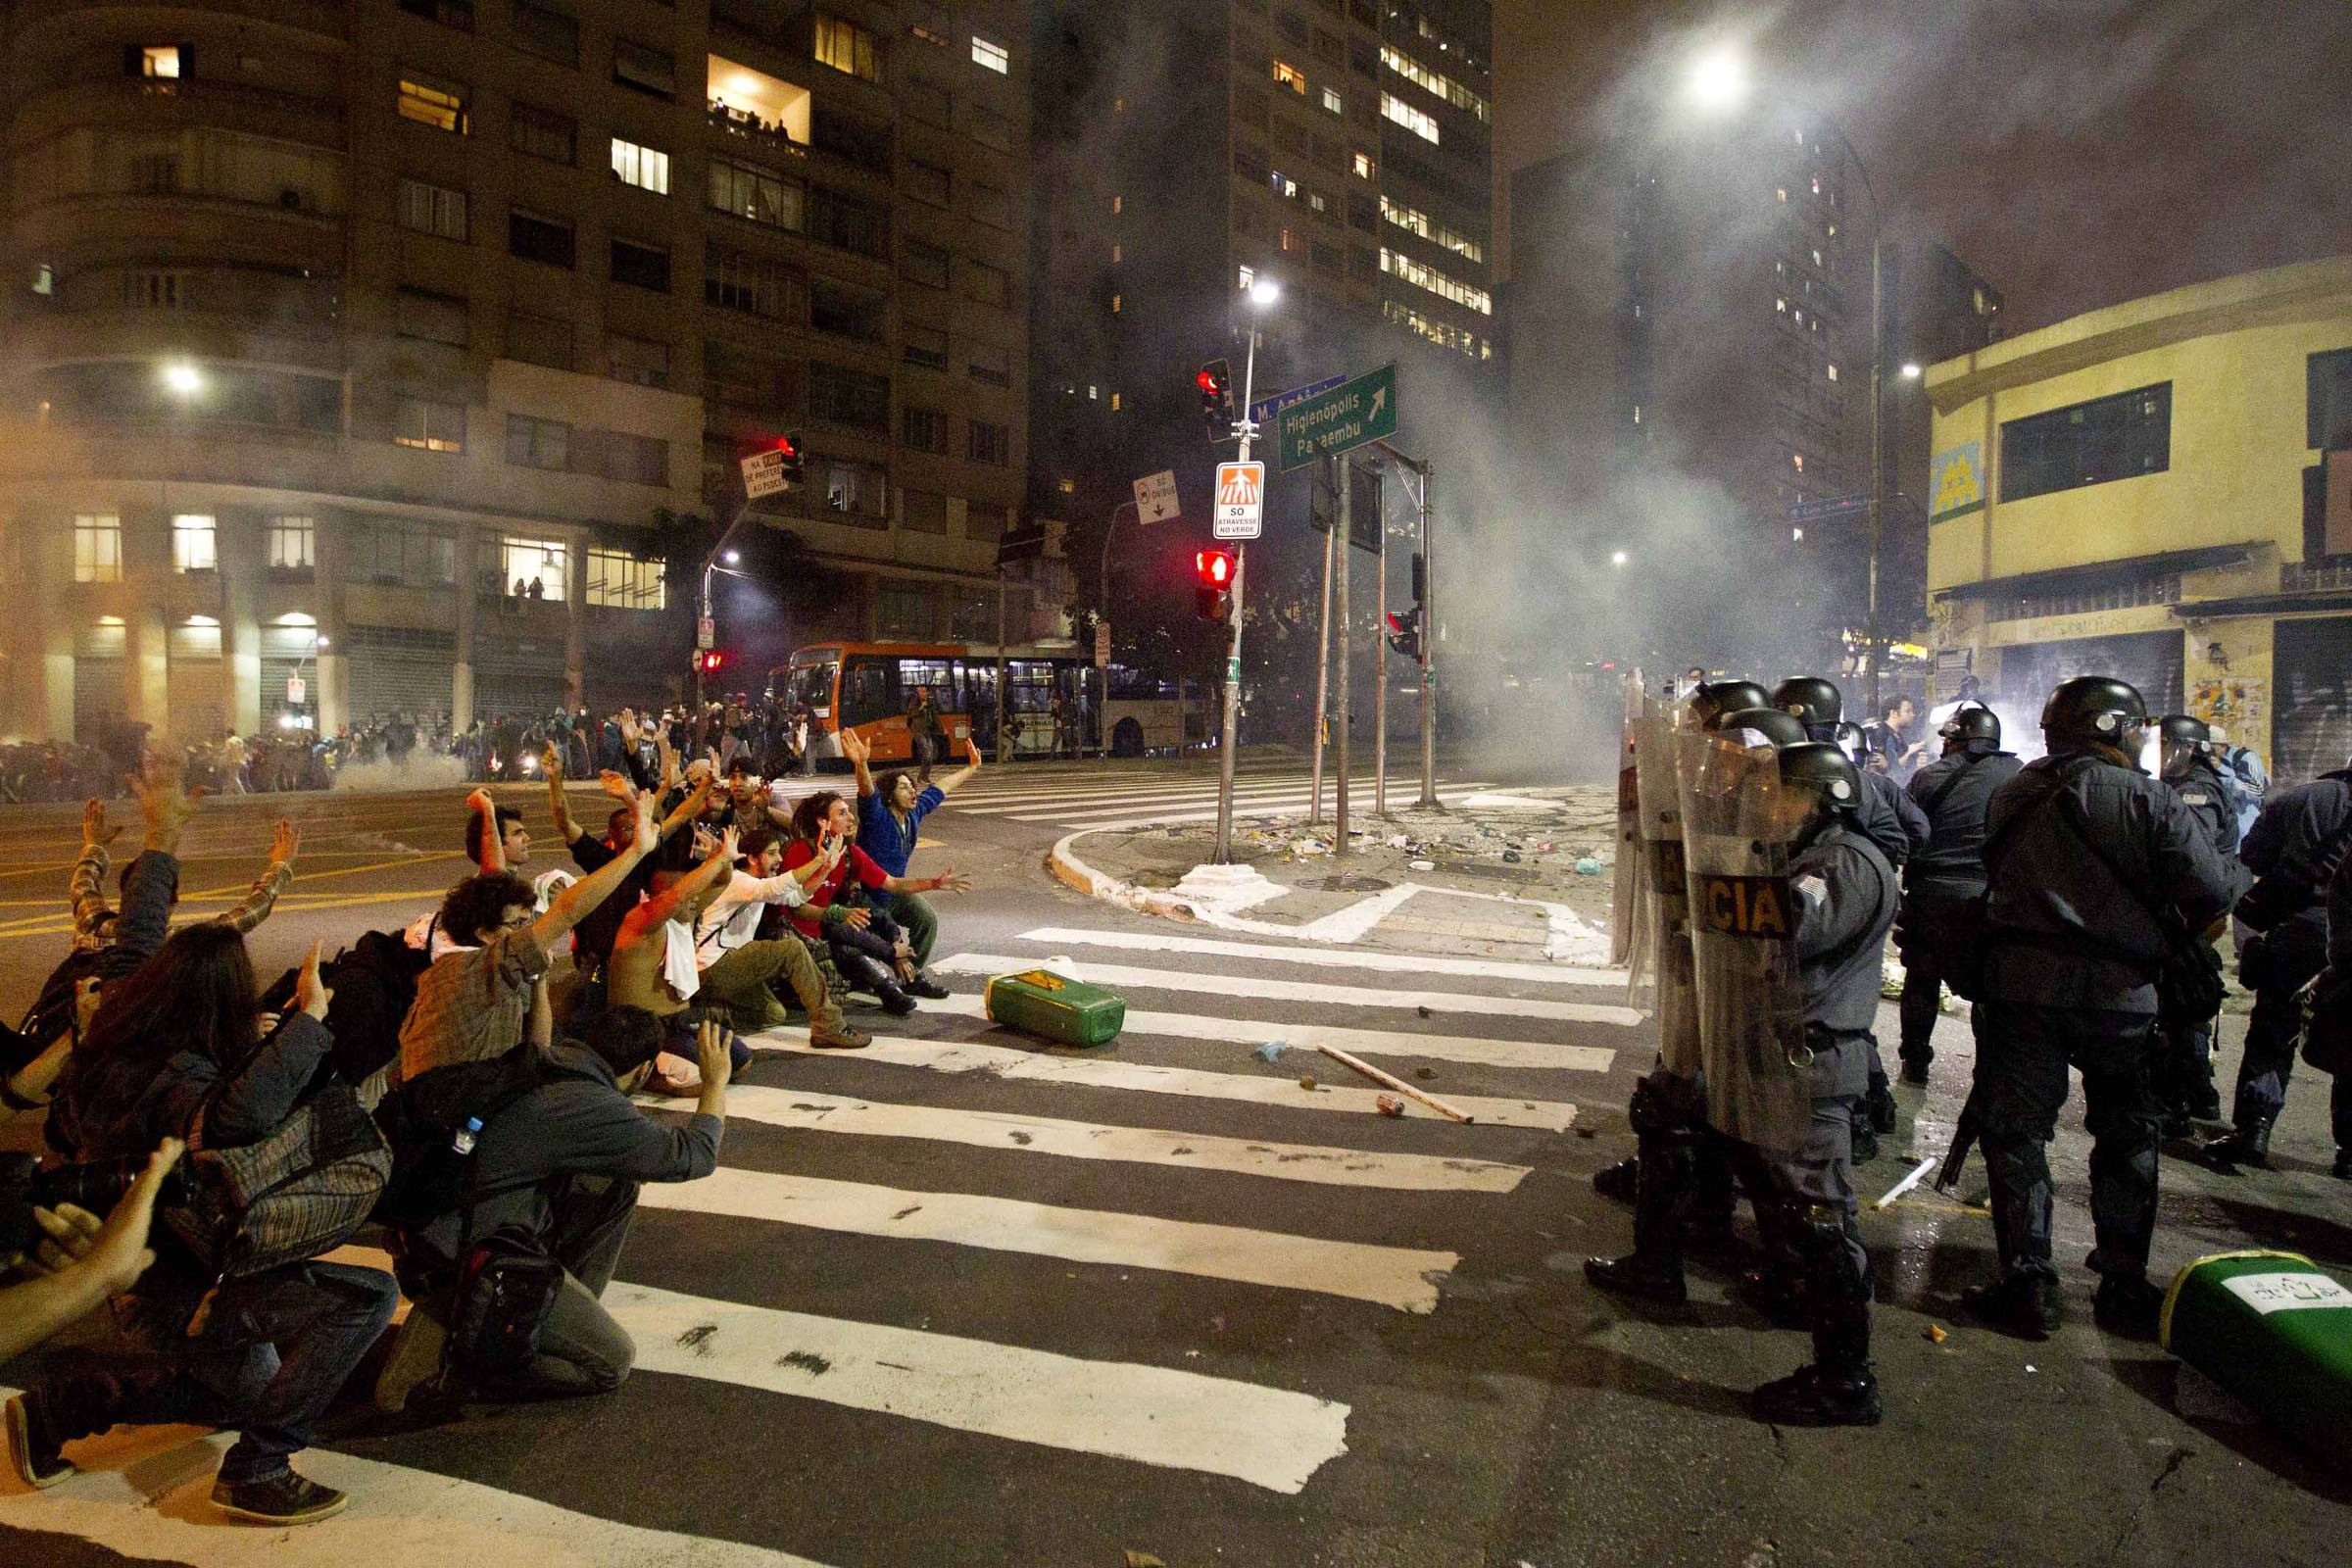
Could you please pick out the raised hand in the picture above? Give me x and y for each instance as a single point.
(550, 762)
(854, 746)
(647, 836)
(952, 880)
(285, 841)
(166, 806)
(310, 991)
(713, 1049)
(94, 830)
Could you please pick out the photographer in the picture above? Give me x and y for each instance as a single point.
(82, 1263)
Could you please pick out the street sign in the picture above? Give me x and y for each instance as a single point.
(1830, 507)
(1241, 512)
(1346, 417)
(1101, 645)
(296, 691)
(706, 633)
(1363, 507)
(762, 475)
(1265, 408)
(1155, 497)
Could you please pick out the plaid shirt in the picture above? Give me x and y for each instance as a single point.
(93, 916)
(471, 1005)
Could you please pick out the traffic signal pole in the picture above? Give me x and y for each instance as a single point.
(1341, 535)
(1379, 666)
(1229, 726)
(1314, 801)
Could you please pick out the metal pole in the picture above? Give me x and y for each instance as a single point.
(1429, 649)
(698, 642)
(1103, 613)
(1877, 473)
(1314, 811)
(1229, 726)
(1379, 666)
(1339, 706)
(1002, 753)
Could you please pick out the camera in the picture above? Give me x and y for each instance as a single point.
(95, 1186)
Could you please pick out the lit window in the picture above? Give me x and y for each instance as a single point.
(97, 547)
(1799, 316)
(1816, 184)
(160, 63)
(995, 56)
(1094, 394)
(195, 543)
(1068, 487)
(1817, 258)
(1289, 75)
(1118, 205)
(618, 580)
(429, 101)
(936, 40)
(432, 209)
(1436, 283)
(846, 48)
(1798, 457)
(293, 544)
(1832, 372)
(1116, 400)
(1248, 275)
(44, 280)
(1363, 166)
(1782, 193)
(1797, 534)
(428, 426)
(1636, 413)
(534, 562)
(1314, 199)
(1331, 101)
(1431, 81)
(1117, 303)
(1413, 120)
(641, 167)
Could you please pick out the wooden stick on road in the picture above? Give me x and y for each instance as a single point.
(1398, 1083)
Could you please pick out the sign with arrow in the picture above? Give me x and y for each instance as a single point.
(1348, 416)
(1155, 497)
(1262, 411)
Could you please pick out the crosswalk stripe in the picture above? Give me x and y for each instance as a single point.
(1362, 1042)
(1299, 792)
(1091, 1072)
(1557, 974)
(1172, 819)
(1116, 799)
(1180, 784)
(143, 1493)
(1439, 1002)
(1400, 1277)
(805, 1111)
(1271, 1438)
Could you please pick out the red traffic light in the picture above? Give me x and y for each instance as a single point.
(785, 446)
(1209, 381)
(1214, 567)
(709, 662)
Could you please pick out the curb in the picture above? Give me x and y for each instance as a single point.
(1076, 874)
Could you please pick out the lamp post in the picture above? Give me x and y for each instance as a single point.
(1103, 612)
(1263, 293)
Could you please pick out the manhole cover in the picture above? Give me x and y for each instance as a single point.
(1350, 884)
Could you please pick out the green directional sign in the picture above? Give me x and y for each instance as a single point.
(1341, 419)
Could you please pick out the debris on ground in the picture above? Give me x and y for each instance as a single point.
(1308, 1084)
(1425, 1072)
(1586, 866)
(1389, 1105)
(1422, 866)
(1143, 1559)
(1272, 1049)
(1425, 1012)
(1936, 1334)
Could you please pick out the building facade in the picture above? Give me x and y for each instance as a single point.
(398, 357)
(2160, 491)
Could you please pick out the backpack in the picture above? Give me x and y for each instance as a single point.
(52, 1011)
(299, 1191)
(375, 984)
(421, 1119)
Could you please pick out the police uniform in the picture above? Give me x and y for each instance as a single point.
(2184, 1045)
(1952, 792)
(2074, 948)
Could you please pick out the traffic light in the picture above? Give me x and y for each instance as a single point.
(1213, 598)
(709, 662)
(1216, 399)
(1404, 631)
(790, 446)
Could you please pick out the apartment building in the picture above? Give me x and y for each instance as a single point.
(357, 359)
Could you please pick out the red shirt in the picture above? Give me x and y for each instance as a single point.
(806, 919)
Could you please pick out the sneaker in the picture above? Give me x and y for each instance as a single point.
(844, 1038)
(1638, 1278)
(284, 1498)
(2023, 1304)
(39, 1461)
(2128, 1305)
(923, 986)
(415, 1359)
(1815, 1396)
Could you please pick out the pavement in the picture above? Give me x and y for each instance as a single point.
(963, 1298)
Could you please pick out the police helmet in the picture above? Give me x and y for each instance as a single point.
(2093, 709)
(1973, 724)
(1823, 768)
(1718, 697)
(2183, 730)
(1849, 738)
(1809, 698)
(1778, 728)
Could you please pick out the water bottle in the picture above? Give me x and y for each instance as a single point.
(464, 1142)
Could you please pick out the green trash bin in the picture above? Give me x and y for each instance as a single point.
(1066, 1011)
(2276, 1330)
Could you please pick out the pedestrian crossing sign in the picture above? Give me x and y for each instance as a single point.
(1241, 500)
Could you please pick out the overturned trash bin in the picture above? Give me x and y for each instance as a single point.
(1066, 1011)
(2275, 1330)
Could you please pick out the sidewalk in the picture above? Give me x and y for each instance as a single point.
(1494, 874)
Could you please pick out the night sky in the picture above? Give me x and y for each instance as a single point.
(2076, 153)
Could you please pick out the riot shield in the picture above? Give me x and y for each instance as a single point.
(1659, 792)
(1742, 919)
(1626, 895)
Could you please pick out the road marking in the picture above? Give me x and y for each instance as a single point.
(1170, 785)
(1260, 802)
(1085, 1140)
(1124, 800)
(1090, 1072)
(1270, 1438)
(1556, 974)
(143, 1492)
(1240, 809)
(1439, 1002)
(1400, 1277)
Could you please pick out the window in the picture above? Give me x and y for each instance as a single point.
(152, 288)
(926, 346)
(429, 427)
(995, 56)
(549, 35)
(641, 265)
(755, 195)
(2328, 400)
(1117, 401)
(906, 609)
(641, 167)
(456, 14)
(539, 238)
(923, 264)
(859, 490)
(851, 224)
(44, 278)
(937, 40)
(987, 284)
(435, 210)
(533, 443)
(1436, 283)
(989, 443)
(1119, 303)
(1420, 76)
(2116, 437)
(1363, 166)
(1832, 369)
(758, 284)
(1439, 234)
(929, 101)
(431, 101)
(293, 544)
(158, 62)
(526, 562)
(195, 543)
(1245, 275)
(857, 399)
(923, 429)
(618, 580)
(1332, 101)
(636, 458)
(435, 318)
(846, 48)
(649, 71)
(97, 547)
(988, 128)
(643, 361)
(991, 205)
(1413, 120)
(927, 182)
(990, 362)
(384, 551)
(539, 340)
(541, 132)
(1119, 254)
(1289, 75)
(848, 311)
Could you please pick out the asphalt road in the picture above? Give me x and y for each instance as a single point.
(956, 1299)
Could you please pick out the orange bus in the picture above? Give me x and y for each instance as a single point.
(871, 686)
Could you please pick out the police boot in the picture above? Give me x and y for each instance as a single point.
(2022, 1303)
(1866, 1141)
(2128, 1305)
(1839, 1388)
(2248, 1145)
(1915, 1065)
(1619, 1181)
(1879, 1107)
(1653, 1270)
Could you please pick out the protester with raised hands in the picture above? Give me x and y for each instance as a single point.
(889, 819)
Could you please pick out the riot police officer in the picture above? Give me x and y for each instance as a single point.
(1711, 700)
(2185, 1046)
(2095, 876)
(1952, 792)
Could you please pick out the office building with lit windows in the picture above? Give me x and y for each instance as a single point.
(1342, 148)
(359, 358)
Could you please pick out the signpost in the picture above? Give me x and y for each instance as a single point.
(762, 475)
(706, 633)
(296, 691)
(1262, 411)
(1155, 497)
(1101, 645)
(1352, 414)
(1240, 509)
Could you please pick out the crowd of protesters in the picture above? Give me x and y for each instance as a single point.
(462, 1092)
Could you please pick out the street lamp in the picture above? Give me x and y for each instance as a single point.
(1264, 294)
(1912, 370)
(183, 378)
(1619, 559)
(1719, 81)
(733, 557)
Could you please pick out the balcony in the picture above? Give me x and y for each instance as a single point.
(753, 105)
